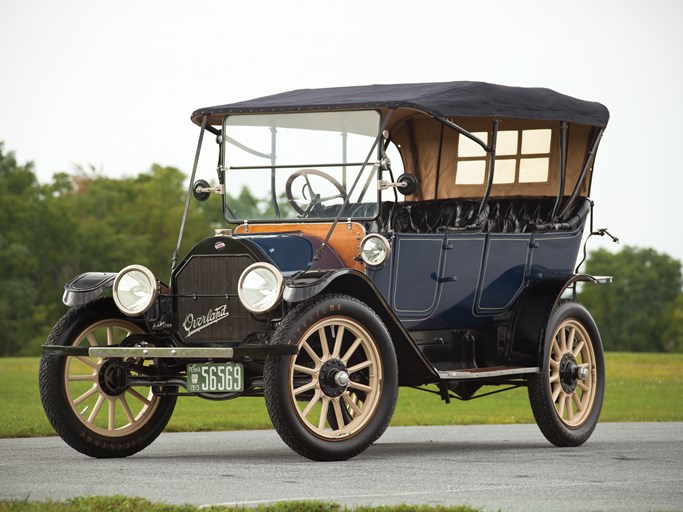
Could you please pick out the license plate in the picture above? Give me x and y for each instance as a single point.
(215, 377)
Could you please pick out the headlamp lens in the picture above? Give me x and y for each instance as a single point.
(135, 290)
(260, 287)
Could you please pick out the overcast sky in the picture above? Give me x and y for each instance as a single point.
(112, 84)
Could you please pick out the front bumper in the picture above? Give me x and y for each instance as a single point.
(249, 351)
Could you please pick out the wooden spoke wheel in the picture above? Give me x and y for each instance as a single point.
(337, 396)
(87, 400)
(566, 397)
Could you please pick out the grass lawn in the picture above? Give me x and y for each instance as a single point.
(124, 503)
(640, 387)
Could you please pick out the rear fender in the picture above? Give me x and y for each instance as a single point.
(533, 312)
(413, 368)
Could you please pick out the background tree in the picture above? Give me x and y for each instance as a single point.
(19, 261)
(673, 332)
(85, 222)
(634, 312)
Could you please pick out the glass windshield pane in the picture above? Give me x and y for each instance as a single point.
(301, 166)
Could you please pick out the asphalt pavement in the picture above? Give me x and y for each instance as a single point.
(624, 466)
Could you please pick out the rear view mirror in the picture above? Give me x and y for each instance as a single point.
(201, 190)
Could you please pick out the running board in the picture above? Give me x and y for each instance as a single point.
(483, 373)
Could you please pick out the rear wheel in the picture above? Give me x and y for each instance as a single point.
(337, 396)
(566, 397)
(85, 398)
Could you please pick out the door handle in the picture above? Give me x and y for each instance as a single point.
(445, 279)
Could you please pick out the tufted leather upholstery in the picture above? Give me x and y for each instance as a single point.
(504, 215)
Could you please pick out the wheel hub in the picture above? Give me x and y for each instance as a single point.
(333, 377)
(569, 373)
(112, 378)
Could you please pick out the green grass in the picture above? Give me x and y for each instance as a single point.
(124, 503)
(640, 387)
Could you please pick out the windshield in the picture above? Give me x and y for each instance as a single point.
(302, 166)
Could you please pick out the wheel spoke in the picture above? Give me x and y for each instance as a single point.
(111, 423)
(583, 386)
(305, 387)
(88, 362)
(570, 340)
(577, 401)
(311, 353)
(324, 344)
(570, 409)
(314, 400)
(139, 396)
(96, 410)
(85, 395)
(563, 340)
(305, 369)
(110, 335)
(323, 412)
(338, 342)
(338, 413)
(352, 405)
(350, 351)
(359, 366)
(360, 387)
(557, 389)
(561, 405)
(82, 378)
(126, 409)
(578, 349)
(92, 340)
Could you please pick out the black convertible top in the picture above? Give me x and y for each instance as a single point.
(441, 99)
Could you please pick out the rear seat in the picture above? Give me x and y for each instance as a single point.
(505, 215)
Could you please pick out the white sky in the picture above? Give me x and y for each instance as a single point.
(113, 84)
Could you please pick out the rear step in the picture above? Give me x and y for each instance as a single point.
(483, 373)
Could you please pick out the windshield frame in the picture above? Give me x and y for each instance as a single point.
(369, 172)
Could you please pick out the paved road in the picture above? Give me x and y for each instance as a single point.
(624, 466)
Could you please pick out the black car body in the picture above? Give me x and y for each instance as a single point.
(335, 289)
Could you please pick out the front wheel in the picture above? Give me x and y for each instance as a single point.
(337, 396)
(85, 398)
(566, 397)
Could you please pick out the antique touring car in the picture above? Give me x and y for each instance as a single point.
(420, 235)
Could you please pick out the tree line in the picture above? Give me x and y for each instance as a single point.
(85, 221)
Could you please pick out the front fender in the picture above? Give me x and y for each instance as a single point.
(305, 285)
(87, 287)
(413, 367)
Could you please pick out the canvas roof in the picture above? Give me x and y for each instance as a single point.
(441, 99)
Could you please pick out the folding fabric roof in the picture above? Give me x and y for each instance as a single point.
(441, 99)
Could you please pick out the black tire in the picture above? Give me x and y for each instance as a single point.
(337, 396)
(566, 405)
(88, 419)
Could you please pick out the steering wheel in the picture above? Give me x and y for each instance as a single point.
(314, 200)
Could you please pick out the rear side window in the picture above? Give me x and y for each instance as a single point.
(522, 156)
